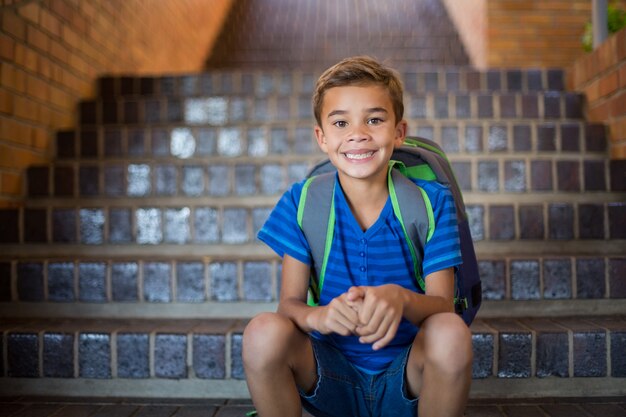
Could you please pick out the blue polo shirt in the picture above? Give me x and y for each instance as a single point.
(380, 255)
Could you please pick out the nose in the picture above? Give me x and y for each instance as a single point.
(358, 134)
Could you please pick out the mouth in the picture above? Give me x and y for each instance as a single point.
(359, 155)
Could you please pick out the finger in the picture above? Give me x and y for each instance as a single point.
(376, 329)
(355, 293)
(391, 333)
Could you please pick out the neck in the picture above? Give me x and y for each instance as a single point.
(365, 198)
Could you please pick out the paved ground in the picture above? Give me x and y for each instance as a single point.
(61, 407)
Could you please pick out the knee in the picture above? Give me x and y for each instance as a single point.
(448, 343)
(265, 339)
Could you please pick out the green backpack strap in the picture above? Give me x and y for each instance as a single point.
(316, 218)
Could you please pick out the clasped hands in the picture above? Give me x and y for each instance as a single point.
(372, 313)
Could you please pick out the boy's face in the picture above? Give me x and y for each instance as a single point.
(359, 131)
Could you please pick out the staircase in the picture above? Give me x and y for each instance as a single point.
(132, 268)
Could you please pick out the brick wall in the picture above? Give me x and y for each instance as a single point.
(52, 51)
(601, 75)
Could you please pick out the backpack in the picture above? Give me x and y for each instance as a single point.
(417, 158)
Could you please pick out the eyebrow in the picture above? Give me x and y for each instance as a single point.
(370, 110)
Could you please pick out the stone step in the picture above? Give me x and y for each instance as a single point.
(197, 284)
(295, 139)
(220, 110)
(263, 83)
(554, 219)
(562, 357)
(520, 174)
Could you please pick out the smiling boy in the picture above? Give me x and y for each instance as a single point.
(376, 345)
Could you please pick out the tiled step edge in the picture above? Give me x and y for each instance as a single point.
(574, 355)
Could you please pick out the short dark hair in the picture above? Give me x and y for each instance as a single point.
(359, 70)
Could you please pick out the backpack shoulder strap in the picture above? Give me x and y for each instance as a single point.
(316, 218)
(412, 207)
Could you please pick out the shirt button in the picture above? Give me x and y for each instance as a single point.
(362, 254)
(364, 241)
(362, 269)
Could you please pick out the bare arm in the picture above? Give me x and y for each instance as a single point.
(336, 317)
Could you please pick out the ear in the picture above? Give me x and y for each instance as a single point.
(401, 129)
(321, 138)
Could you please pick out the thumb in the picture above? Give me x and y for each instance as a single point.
(356, 294)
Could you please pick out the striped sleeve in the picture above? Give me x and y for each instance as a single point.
(281, 231)
(443, 250)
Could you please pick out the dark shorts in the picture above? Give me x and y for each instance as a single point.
(343, 390)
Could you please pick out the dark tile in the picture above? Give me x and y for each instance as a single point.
(128, 86)
(124, 281)
(271, 178)
(617, 272)
(165, 179)
(482, 346)
(35, 225)
(573, 106)
(474, 139)
(206, 141)
(65, 144)
(261, 110)
(120, 225)
(590, 354)
(279, 141)
(525, 282)
(431, 81)
(63, 181)
(61, 281)
(508, 106)
(501, 222)
(452, 80)
(37, 179)
(209, 356)
(22, 355)
(146, 86)
(541, 175)
(514, 80)
(450, 139)
(236, 363)
(534, 80)
(522, 138)
(515, 176)
(170, 356)
(570, 137)
(89, 143)
(494, 80)
(485, 106)
(174, 111)
(136, 142)
(591, 221)
(133, 355)
(617, 220)
(88, 181)
(556, 79)
(160, 142)
(594, 176)
(94, 355)
(463, 173)
(552, 354)
(283, 109)
(91, 226)
(561, 221)
(257, 281)
(531, 222)
(157, 282)
(235, 225)
(303, 141)
(546, 137)
(114, 180)
(441, 107)
(488, 176)
(514, 355)
(152, 111)
(30, 281)
(568, 175)
(493, 277)
(113, 146)
(5, 284)
(595, 138)
(239, 109)
(190, 285)
(193, 180)
(189, 85)
(206, 225)
(617, 168)
(530, 106)
(590, 278)
(463, 107)
(92, 282)
(167, 85)
(9, 225)
(58, 355)
(618, 362)
(149, 226)
(177, 225)
(557, 279)
(223, 277)
(107, 87)
(473, 80)
(552, 105)
(88, 112)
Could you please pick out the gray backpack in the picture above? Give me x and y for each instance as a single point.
(417, 158)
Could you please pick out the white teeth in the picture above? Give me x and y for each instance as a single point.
(359, 155)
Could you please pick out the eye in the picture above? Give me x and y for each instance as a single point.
(340, 123)
(374, 121)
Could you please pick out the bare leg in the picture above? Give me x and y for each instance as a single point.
(278, 358)
(439, 369)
